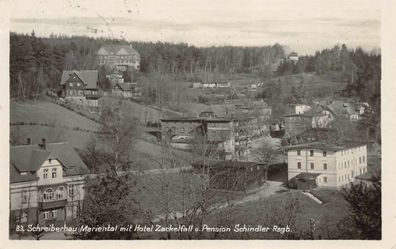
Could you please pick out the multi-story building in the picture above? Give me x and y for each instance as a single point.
(188, 133)
(121, 57)
(46, 183)
(80, 87)
(326, 165)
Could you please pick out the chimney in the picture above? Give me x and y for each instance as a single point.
(43, 144)
(28, 141)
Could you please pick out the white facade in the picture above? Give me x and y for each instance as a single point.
(301, 109)
(336, 168)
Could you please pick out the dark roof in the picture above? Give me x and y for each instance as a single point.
(233, 164)
(220, 110)
(190, 119)
(298, 115)
(114, 49)
(89, 77)
(326, 146)
(364, 177)
(307, 176)
(181, 119)
(29, 158)
(126, 86)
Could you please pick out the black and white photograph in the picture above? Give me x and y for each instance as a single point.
(195, 120)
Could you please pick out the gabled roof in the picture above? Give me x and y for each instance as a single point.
(29, 159)
(307, 176)
(220, 110)
(89, 77)
(234, 164)
(326, 146)
(126, 86)
(117, 50)
(215, 164)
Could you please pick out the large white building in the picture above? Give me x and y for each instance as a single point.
(46, 183)
(119, 56)
(326, 165)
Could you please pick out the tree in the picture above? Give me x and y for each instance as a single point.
(110, 197)
(266, 153)
(118, 132)
(364, 219)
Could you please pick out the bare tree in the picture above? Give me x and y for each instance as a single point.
(266, 153)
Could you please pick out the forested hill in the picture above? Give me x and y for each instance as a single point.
(359, 70)
(37, 63)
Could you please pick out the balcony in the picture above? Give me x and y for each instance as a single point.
(45, 205)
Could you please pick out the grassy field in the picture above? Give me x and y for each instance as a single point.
(146, 155)
(288, 208)
(47, 112)
(141, 112)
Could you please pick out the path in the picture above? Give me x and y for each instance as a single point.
(312, 197)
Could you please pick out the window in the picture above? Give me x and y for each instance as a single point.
(298, 165)
(311, 153)
(325, 166)
(54, 173)
(360, 160)
(70, 84)
(71, 190)
(360, 171)
(78, 84)
(59, 193)
(181, 130)
(325, 179)
(46, 215)
(298, 152)
(364, 159)
(312, 166)
(45, 173)
(258, 167)
(49, 195)
(324, 153)
(53, 214)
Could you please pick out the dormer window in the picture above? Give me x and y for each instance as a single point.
(45, 173)
(54, 173)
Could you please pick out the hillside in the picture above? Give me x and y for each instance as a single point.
(50, 113)
(146, 156)
(139, 111)
(312, 85)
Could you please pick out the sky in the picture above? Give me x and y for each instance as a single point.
(304, 26)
